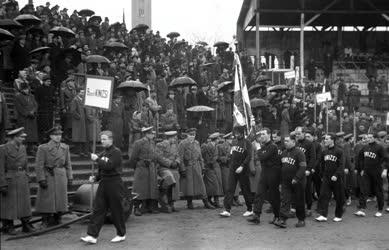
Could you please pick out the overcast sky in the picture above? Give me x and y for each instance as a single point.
(210, 20)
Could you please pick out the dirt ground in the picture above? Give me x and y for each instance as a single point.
(204, 229)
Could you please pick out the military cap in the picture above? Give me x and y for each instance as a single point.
(340, 134)
(171, 133)
(16, 132)
(191, 131)
(381, 134)
(227, 136)
(348, 136)
(147, 129)
(56, 130)
(214, 136)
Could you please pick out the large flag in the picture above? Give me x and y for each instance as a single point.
(242, 108)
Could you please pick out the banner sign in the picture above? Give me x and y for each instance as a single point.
(290, 75)
(98, 92)
(324, 97)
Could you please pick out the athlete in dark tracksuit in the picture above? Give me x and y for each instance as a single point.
(332, 162)
(292, 182)
(369, 166)
(269, 180)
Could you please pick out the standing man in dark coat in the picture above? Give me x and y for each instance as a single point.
(191, 100)
(4, 118)
(269, 180)
(19, 53)
(115, 120)
(110, 192)
(180, 103)
(53, 173)
(14, 183)
(79, 133)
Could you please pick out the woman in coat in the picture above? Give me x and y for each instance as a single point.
(79, 136)
(255, 163)
(14, 183)
(53, 173)
(115, 121)
(191, 169)
(285, 121)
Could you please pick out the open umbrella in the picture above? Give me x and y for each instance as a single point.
(207, 64)
(278, 88)
(173, 34)
(63, 32)
(9, 24)
(182, 81)
(39, 50)
(28, 19)
(262, 78)
(35, 31)
(140, 27)
(255, 87)
(133, 85)
(258, 103)
(202, 43)
(86, 12)
(179, 43)
(200, 108)
(95, 19)
(115, 26)
(221, 44)
(97, 59)
(115, 46)
(224, 86)
(5, 35)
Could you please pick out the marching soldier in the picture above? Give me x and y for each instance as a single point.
(191, 171)
(382, 138)
(348, 168)
(14, 183)
(333, 162)
(170, 186)
(143, 159)
(54, 173)
(212, 174)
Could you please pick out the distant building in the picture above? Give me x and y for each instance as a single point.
(141, 12)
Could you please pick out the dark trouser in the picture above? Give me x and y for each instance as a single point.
(373, 179)
(316, 180)
(293, 193)
(268, 188)
(109, 195)
(388, 189)
(349, 180)
(308, 192)
(45, 122)
(328, 188)
(244, 182)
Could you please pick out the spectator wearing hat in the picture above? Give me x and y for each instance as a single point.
(79, 133)
(285, 121)
(44, 94)
(170, 100)
(67, 94)
(169, 119)
(21, 81)
(191, 181)
(349, 179)
(114, 120)
(26, 112)
(4, 117)
(144, 160)
(14, 183)
(161, 86)
(354, 98)
(170, 184)
(180, 104)
(53, 173)
(212, 172)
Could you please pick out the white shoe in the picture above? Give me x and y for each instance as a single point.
(321, 218)
(387, 209)
(118, 239)
(89, 239)
(378, 214)
(360, 213)
(336, 219)
(225, 214)
(248, 213)
(348, 202)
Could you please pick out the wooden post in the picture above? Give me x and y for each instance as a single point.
(93, 162)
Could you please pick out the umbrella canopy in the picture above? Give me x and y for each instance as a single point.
(221, 44)
(9, 24)
(62, 31)
(28, 19)
(115, 46)
(262, 78)
(224, 86)
(202, 43)
(97, 59)
(200, 108)
(173, 34)
(207, 64)
(39, 50)
(5, 35)
(35, 31)
(95, 19)
(179, 43)
(133, 85)
(182, 81)
(86, 12)
(278, 88)
(140, 27)
(115, 26)
(255, 87)
(258, 103)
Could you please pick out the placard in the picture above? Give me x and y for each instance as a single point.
(387, 119)
(290, 75)
(98, 92)
(324, 97)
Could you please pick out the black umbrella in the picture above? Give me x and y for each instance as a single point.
(140, 27)
(95, 19)
(28, 19)
(86, 12)
(202, 43)
(115, 26)
(182, 81)
(133, 85)
(35, 31)
(115, 46)
(224, 86)
(255, 87)
(97, 59)
(39, 50)
(207, 64)
(173, 34)
(262, 78)
(5, 35)
(221, 44)
(9, 24)
(200, 108)
(63, 32)
(179, 43)
(258, 103)
(278, 88)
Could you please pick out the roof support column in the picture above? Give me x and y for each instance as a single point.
(302, 17)
(257, 38)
